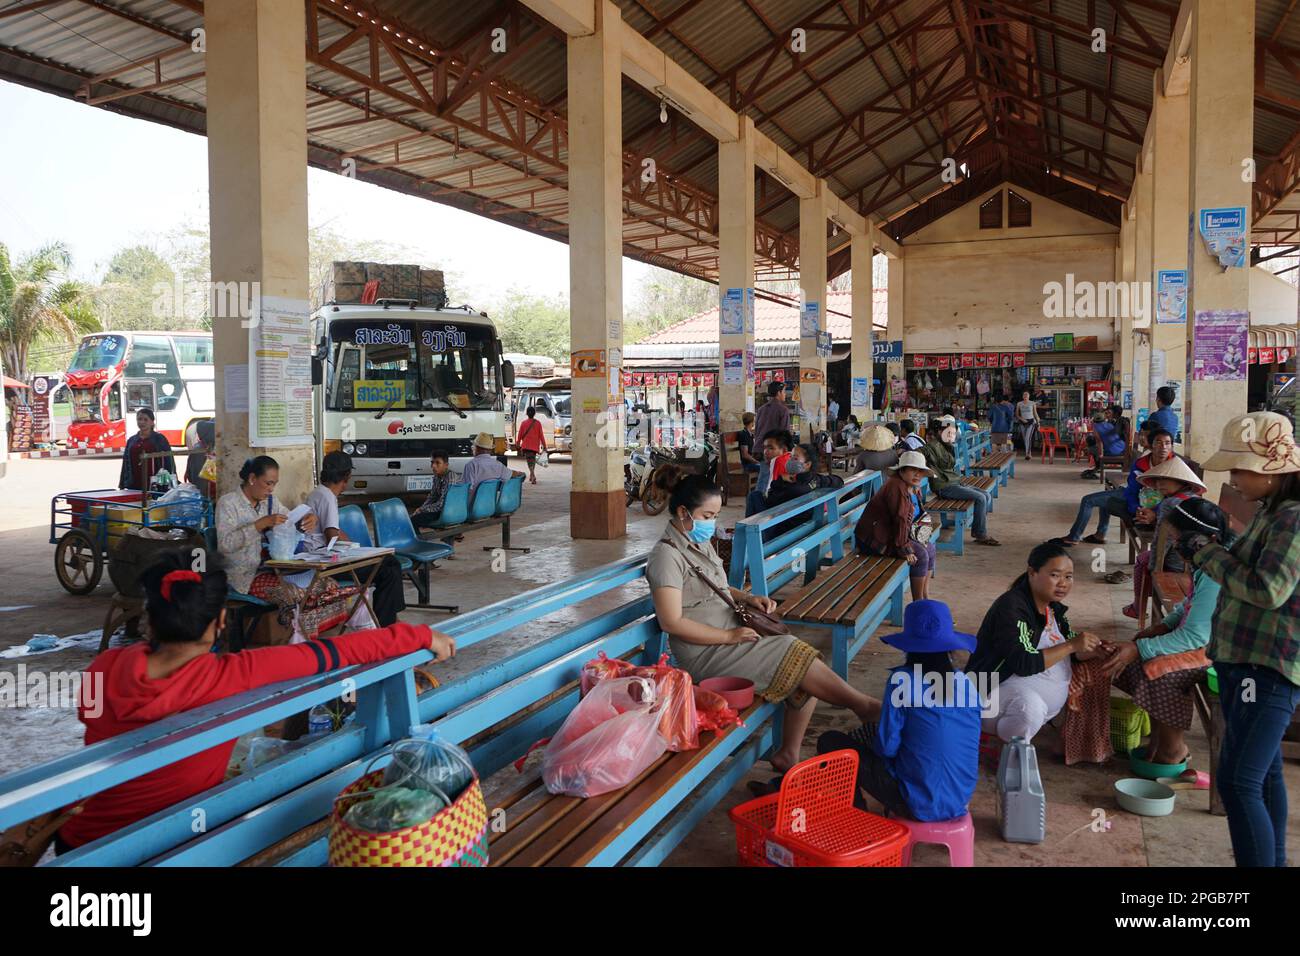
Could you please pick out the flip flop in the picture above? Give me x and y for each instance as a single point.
(989, 542)
(1187, 780)
(1064, 542)
(1095, 539)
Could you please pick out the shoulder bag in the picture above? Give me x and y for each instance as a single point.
(761, 622)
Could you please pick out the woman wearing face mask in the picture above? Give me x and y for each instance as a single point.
(704, 631)
(1026, 640)
(941, 456)
(1255, 634)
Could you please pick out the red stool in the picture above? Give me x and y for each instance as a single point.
(957, 835)
(1051, 441)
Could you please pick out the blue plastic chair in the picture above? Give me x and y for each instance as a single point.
(455, 507)
(484, 504)
(244, 608)
(394, 529)
(352, 522)
(511, 496)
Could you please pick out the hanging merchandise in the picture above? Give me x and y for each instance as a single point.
(982, 386)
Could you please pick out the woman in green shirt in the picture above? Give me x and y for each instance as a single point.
(1255, 636)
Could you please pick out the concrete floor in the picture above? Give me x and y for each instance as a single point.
(1040, 503)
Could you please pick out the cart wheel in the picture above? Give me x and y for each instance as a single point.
(653, 500)
(78, 562)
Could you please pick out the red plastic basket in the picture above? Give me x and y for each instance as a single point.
(812, 821)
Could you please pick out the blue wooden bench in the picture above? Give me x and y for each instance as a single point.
(980, 458)
(848, 593)
(276, 814)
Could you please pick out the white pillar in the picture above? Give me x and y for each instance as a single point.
(595, 107)
(861, 249)
(812, 282)
(1169, 194)
(1222, 137)
(736, 276)
(1142, 237)
(895, 373)
(257, 183)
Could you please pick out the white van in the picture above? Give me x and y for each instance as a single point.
(553, 401)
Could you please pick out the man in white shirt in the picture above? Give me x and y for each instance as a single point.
(833, 412)
(335, 473)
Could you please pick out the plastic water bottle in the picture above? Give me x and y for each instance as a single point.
(320, 720)
(1022, 806)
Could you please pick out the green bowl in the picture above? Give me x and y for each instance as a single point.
(1144, 797)
(1152, 771)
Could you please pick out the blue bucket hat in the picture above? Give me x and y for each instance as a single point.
(927, 627)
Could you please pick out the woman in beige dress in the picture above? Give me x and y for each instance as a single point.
(705, 634)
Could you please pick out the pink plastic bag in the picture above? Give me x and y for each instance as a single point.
(607, 741)
(603, 667)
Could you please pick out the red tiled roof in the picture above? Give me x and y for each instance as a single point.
(773, 321)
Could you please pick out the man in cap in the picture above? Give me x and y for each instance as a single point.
(484, 466)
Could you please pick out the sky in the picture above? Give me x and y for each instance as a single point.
(99, 181)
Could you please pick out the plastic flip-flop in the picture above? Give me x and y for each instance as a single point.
(1187, 780)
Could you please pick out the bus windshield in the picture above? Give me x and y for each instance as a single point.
(98, 352)
(412, 366)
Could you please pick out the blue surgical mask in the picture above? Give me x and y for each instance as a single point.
(702, 530)
(795, 466)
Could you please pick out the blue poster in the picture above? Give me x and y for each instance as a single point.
(861, 393)
(1171, 296)
(810, 320)
(1225, 235)
(733, 312)
(824, 345)
(749, 311)
(887, 351)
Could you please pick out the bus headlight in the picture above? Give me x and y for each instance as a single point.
(348, 448)
(361, 448)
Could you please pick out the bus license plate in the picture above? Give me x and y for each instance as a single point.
(419, 483)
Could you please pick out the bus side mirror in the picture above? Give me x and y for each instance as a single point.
(317, 371)
(508, 374)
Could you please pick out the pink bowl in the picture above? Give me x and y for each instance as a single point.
(736, 691)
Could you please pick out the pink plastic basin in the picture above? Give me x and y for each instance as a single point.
(736, 691)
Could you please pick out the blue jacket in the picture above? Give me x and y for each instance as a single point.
(1000, 417)
(932, 748)
(1132, 488)
(1112, 442)
(1165, 418)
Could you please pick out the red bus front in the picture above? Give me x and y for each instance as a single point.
(95, 382)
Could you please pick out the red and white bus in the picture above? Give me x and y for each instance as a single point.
(113, 374)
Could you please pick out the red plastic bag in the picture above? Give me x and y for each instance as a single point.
(603, 667)
(607, 741)
(713, 712)
(675, 705)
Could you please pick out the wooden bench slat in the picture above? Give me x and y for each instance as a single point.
(887, 571)
(864, 583)
(812, 607)
(949, 504)
(825, 583)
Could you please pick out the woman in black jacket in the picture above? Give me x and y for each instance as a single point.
(1027, 642)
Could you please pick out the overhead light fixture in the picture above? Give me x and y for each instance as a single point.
(666, 101)
(663, 109)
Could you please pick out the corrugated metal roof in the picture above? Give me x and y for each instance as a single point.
(773, 321)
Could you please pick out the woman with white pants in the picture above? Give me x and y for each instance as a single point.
(1025, 646)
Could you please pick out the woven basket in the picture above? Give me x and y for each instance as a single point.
(456, 836)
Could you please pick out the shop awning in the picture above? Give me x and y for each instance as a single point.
(1272, 337)
(14, 383)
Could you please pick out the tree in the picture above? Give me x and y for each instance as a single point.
(663, 299)
(40, 305)
(138, 292)
(532, 324)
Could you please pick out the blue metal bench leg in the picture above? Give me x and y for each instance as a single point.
(841, 637)
(896, 607)
(420, 579)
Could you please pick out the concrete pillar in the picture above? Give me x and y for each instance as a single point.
(595, 106)
(1124, 339)
(1169, 195)
(1142, 272)
(861, 249)
(257, 184)
(812, 283)
(736, 275)
(1222, 136)
(895, 373)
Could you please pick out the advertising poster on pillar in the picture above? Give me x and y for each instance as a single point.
(1171, 296)
(733, 367)
(1219, 345)
(861, 393)
(1224, 232)
(810, 320)
(733, 312)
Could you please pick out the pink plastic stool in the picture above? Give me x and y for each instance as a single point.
(957, 835)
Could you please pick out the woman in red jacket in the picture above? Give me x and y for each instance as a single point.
(894, 522)
(532, 442)
(129, 687)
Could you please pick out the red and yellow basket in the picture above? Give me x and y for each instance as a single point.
(456, 836)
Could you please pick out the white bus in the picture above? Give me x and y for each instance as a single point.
(114, 374)
(397, 381)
